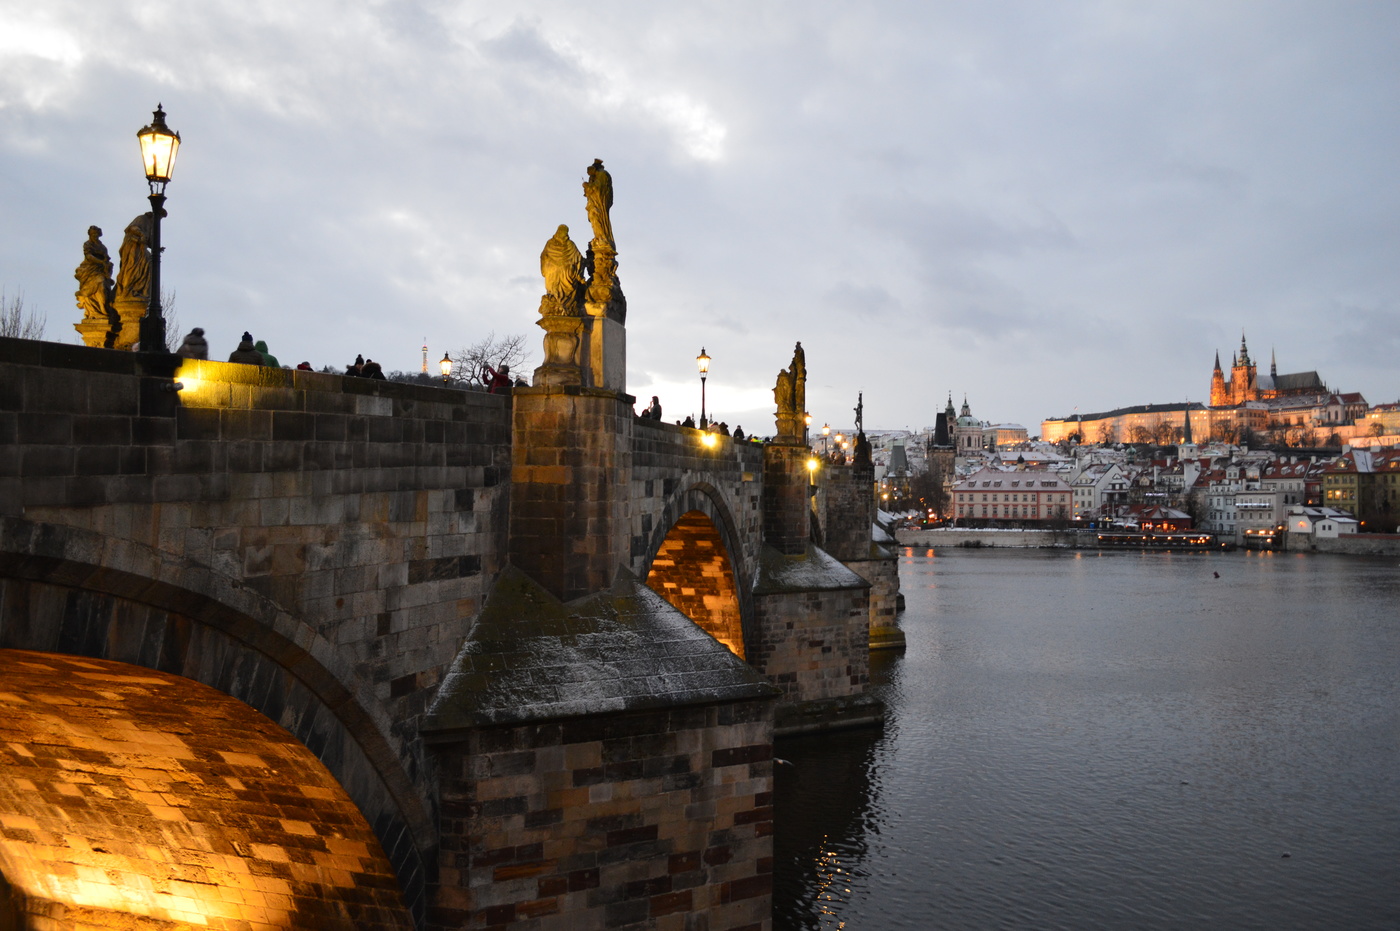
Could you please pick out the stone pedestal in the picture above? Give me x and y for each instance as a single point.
(99, 334)
(562, 344)
(129, 312)
(604, 350)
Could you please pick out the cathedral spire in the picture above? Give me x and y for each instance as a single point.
(1273, 363)
(1217, 360)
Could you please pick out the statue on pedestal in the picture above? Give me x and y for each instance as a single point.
(100, 323)
(560, 317)
(790, 393)
(94, 276)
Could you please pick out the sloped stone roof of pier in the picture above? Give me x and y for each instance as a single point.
(530, 658)
(812, 571)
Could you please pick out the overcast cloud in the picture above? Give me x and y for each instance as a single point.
(1042, 206)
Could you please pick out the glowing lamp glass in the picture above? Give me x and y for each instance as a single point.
(159, 146)
(445, 365)
(702, 361)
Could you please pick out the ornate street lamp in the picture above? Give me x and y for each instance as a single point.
(158, 148)
(703, 362)
(826, 439)
(446, 366)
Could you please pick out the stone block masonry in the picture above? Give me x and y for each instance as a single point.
(653, 820)
(570, 477)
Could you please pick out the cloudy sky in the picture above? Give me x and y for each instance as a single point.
(1043, 206)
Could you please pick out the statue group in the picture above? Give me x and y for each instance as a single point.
(572, 278)
(790, 393)
(580, 285)
(112, 308)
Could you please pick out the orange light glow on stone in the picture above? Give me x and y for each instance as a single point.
(131, 798)
(693, 572)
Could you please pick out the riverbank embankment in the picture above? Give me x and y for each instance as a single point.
(1357, 544)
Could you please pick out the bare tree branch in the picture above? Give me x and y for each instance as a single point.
(468, 363)
(17, 322)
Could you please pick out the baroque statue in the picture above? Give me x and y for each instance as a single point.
(598, 190)
(562, 268)
(94, 276)
(782, 393)
(799, 381)
(790, 393)
(134, 273)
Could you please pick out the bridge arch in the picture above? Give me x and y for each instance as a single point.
(131, 797)
(695, 560)
(65, 590)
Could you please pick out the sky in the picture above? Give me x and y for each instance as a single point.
(1044, 207)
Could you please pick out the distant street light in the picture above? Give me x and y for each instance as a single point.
(826, 439)
(446, 366)
(703, 362)
(158, 149)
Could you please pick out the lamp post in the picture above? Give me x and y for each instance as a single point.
(806, 426)
(158, 148)
(703, 362)
(826, 439)
(446, 366)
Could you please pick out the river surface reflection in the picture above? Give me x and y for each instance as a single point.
(1112, 740)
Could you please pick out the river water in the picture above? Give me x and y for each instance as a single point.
(1112, 740)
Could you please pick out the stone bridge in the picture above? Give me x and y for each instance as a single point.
(438, 595)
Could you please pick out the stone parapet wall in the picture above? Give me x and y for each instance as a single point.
(658, 820)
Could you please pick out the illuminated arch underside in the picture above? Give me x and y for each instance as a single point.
(693, 572)
(135, 799)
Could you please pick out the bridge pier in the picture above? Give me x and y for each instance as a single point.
(811, 613)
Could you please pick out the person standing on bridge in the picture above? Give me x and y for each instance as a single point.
(654, 411)
(496, 381)
(245, 352)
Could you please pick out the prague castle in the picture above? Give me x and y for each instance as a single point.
(1296, 410)
(1245, 384)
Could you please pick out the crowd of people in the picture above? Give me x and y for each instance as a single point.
(494, 380)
